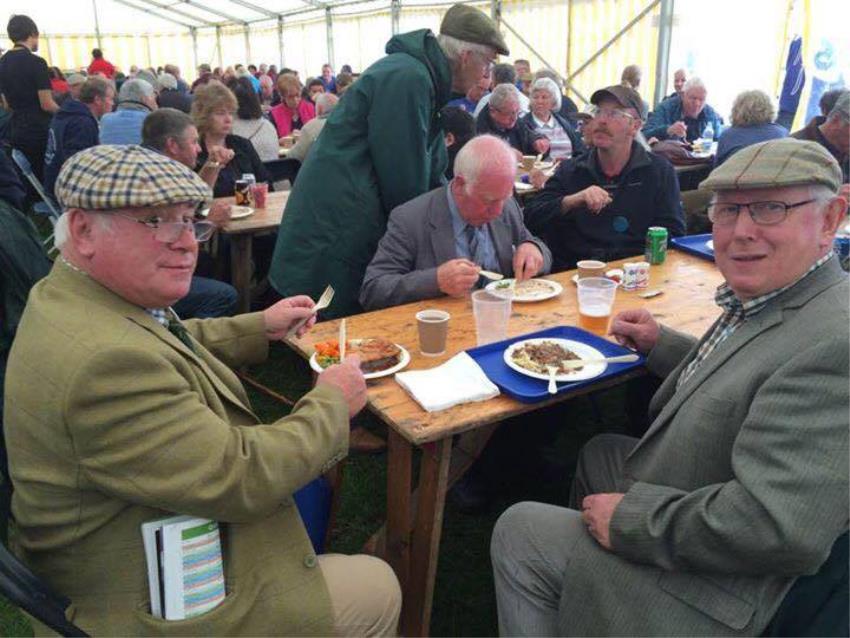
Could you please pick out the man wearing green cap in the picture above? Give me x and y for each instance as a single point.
(118, 413)
(382, 146)
(740, 485)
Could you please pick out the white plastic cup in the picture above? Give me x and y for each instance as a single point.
(491, 316)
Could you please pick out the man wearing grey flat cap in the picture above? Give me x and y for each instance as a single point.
(739, 488)
(117, 413)
(381, 147)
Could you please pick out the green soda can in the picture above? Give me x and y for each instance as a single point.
(656, 245)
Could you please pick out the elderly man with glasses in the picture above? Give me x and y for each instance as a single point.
(118, 413)
(500, 117)
(739, 487)
(600, 205)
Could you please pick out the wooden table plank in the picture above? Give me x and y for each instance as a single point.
(687, 304)
(241, 233)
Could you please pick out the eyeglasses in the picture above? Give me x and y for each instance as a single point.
(762, 213)
(169, 232)
(606, 113)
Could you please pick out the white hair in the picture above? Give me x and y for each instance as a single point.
(484, 152)
(62, 230)
(453, 47)
(547, 84)
(821, 192)
(694, 83)
(326, 103)
(502, 94)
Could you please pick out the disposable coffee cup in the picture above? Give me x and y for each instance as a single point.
(528, 162)
(433, 329)
(591, 268)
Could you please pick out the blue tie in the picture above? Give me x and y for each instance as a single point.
(476, 245)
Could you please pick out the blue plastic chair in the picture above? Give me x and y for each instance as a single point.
(46, 206)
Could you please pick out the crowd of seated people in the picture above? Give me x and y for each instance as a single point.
(428, 201)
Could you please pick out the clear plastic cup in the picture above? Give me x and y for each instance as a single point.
(595, 301)
(491, 316)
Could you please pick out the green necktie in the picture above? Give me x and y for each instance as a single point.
(179, 330)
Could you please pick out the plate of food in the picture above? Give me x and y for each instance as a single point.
(532, 356)
(710, 245)
(240, 212)
(378, 357)
(544, 165)
(525, 291)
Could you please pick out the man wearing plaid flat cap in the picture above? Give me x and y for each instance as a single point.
(711, 522)
(118, 414)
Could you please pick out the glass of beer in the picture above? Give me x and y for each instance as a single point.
(595, 300)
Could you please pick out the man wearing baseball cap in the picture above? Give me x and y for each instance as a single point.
(117, 414)
(599, 205)
(381, 147)
(740, 485)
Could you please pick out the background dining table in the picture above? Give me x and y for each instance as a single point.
(411, 536)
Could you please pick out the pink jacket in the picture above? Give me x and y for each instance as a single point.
(282, 116)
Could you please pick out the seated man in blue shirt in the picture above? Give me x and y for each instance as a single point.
(600, 205)
(684, 117)
(124, 126)
(437, 243)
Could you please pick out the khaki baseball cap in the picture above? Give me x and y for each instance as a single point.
(471, 25)
(625, 96)
(776, 164)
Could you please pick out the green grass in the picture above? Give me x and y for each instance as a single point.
(464, 603)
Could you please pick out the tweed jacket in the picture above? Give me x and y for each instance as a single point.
(420, 238)
(111, 421)
(740, 483)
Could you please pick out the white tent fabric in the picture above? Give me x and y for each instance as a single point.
(733, 45)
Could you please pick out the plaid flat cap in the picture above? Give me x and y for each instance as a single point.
(776, 164)
(471, 25)
(110, 177)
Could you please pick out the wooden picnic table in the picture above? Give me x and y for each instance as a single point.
(241, 232)
(411, 538)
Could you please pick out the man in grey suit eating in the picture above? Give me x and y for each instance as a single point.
(437, 243)
(740, 485)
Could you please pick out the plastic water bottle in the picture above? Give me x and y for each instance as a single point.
(708, 133)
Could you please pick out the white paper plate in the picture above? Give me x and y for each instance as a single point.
(574, 279)
(240, 212)
(710, 245)
(545, 165)
(499, 289)
(522, 186)
(403, 361)
(581, 349)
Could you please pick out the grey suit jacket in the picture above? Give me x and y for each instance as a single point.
(741, 482)
(420, 238)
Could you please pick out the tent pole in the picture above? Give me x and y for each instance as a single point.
(496, 12)
(329, 28)
(395, 15)
(247, 44)
(148, 48)
(280, 39)
(194, 32)
(96, 24)
(662, 62)
(218, 46)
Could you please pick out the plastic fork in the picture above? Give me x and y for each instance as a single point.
(323, 302)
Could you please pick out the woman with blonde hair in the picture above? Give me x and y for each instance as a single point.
(752, 122)
(293, 112)
(212, 111)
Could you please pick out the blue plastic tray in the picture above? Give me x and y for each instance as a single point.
(694, 244)
(529, 390)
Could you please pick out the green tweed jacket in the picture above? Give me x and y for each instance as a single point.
(740, 484)
(111, 422)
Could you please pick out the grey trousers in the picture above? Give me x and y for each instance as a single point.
(553, 579)
(532, 542)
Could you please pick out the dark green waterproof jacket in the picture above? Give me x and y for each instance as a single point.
(382, 146)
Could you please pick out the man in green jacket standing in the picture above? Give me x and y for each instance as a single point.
(382, 146)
